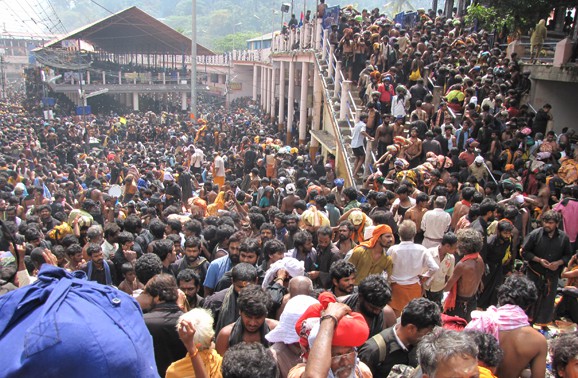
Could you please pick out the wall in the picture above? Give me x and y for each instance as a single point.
(562, 97)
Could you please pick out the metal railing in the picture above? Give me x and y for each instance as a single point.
(335, 123)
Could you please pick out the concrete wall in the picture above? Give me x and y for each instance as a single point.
(562, 96)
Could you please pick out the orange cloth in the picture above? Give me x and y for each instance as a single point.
(219, 204)
(377, 232)
(401, 295)
(219, 180)
(450, 302)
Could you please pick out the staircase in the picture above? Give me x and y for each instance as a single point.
(346, 107)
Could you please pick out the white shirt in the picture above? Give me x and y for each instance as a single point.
(198, 158)
(410, 260)
(219, 166)
(357, 136)
(438, 280)
(435, 223)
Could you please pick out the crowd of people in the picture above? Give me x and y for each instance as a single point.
(156, 245)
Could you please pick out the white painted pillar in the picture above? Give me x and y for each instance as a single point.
(324, 49)
(87, 77)
(317, 101)
(290, 98)
(255, 74)
(178, 77)
(330, 61)
(291, 40)
(318, 34)
(303, 102)
(338, 77)
(345, 85)
(119, 77)
(183, 100)
(267, 90)
(281, 119)
(164, 75)
(134, 78)
(273, 74)
(135, 101)
(103, 77)
(262, 87)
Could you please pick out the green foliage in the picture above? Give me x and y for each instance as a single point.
(235, 41)
(522, 15)
(485, 16)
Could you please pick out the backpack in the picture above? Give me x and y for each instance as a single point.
(63, 325)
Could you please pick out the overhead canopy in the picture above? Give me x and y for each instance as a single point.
(132, 31)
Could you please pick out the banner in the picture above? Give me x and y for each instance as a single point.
(330, 17)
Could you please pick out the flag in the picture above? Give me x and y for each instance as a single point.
(301, 19)
(122, 120)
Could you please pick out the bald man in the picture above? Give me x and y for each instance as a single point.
(299, 285)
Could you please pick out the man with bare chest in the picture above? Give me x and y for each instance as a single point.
(413, 151)
(465, 282)
(252, 325)
(523, 346)
(384, 136)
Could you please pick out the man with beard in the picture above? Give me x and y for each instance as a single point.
(370, 257)
(223, 264)
(322, 258)
(97, 269)
(498, 246)
(372, 302)
(487, 215)
(303, 250)
(342, 277)
(394, 345)
(252, 325)
(345, 243)
(249, 252)
(193, 259)
(223, 304)
(547, 250)
(190, 283)
(292, 226)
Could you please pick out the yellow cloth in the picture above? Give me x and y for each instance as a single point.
(219, 180)
(312, 217)
(219, 204)
(485, 372)
(183, 368)
(363, 260)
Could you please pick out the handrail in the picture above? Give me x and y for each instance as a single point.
(337, 131)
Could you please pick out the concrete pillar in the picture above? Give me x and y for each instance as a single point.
(281, 119)
(178, 77)
(330, 61)
(119, 77)
(273, 74)
(164, 75)
(324, 49)
(338, 77)
(290, 99)
(317, 102)
(268, 90)
(563, 52)
(343, 111)
(303, 103)
(262, 87)
(183, 100)
(135, 101)
(318, 33)
(255, 74)
(134, 78)
(87, 77)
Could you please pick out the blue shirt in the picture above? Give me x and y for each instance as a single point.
(216, 270)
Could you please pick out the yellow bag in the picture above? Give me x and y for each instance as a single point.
(415, 75)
